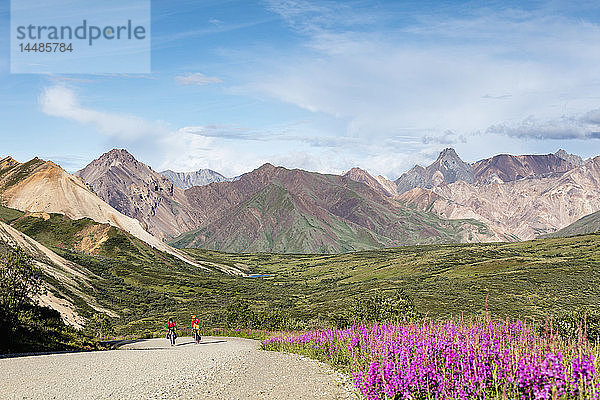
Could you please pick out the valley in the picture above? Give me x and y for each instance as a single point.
(296, 251)
(143, 285)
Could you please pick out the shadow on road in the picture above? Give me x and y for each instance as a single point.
(115, 344)
(201, 342)
(104, 345)
(42, 353)
(167, 346)
(213, 342)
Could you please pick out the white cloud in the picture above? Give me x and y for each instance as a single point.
(196, 78)
(586, 126)
(233, 150)
(436, 75)
(223, 148)
(61, 101)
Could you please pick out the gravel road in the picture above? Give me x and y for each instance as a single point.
(217, 368)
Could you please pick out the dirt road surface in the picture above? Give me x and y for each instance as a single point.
(217, 368)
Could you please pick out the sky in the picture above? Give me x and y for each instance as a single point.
(323, 86)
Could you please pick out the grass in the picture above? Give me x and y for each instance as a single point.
(144, 286)
(8, 215)
(528, 279)
(58, 231)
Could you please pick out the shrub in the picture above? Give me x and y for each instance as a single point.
(378, 306)
(582, 322)
(100, 326)
(20, 281)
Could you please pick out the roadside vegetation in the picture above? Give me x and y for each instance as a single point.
(25, 325)
(455, 359)
(144, 287)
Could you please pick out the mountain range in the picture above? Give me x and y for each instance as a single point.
(449, 168)
(119, 206)
(517, 197)
(186, 180)
(280, 210)
(269, 209)
(509, 168)
(275, 209)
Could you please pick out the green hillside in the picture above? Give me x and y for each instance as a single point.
(528, 279)
(141, 284)
(273, 221)
(282, 220)
(145, 286)
(588, 224)
(8, 215)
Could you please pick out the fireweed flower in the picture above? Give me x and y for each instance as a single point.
(453, 360)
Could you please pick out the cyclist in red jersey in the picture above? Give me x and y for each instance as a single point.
(196, 329)
(171, 331)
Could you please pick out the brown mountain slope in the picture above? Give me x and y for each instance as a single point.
(388, 185)
(42, 186)
(139, 192)
(378, 184)
(276, 209)
(274, 220)
(508, 168)
(521, 209)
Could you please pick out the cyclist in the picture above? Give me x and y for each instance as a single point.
(171, 331)
(196, 329)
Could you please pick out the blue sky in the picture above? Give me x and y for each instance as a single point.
(324, 86)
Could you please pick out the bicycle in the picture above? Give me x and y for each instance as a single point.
(196, 334)
(172, 335)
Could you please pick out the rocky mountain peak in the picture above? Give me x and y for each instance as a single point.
(510, 168)
(8, 162)
(117, 153)
(448, 153)
(356, 170)
(137, 191)
(358, 174)
(571, 158)
(186, 180)
(378, 184)
(265, 170)
(266, 167)
(118, 156)
(9, 159)
(452, 168)
(447, 168)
